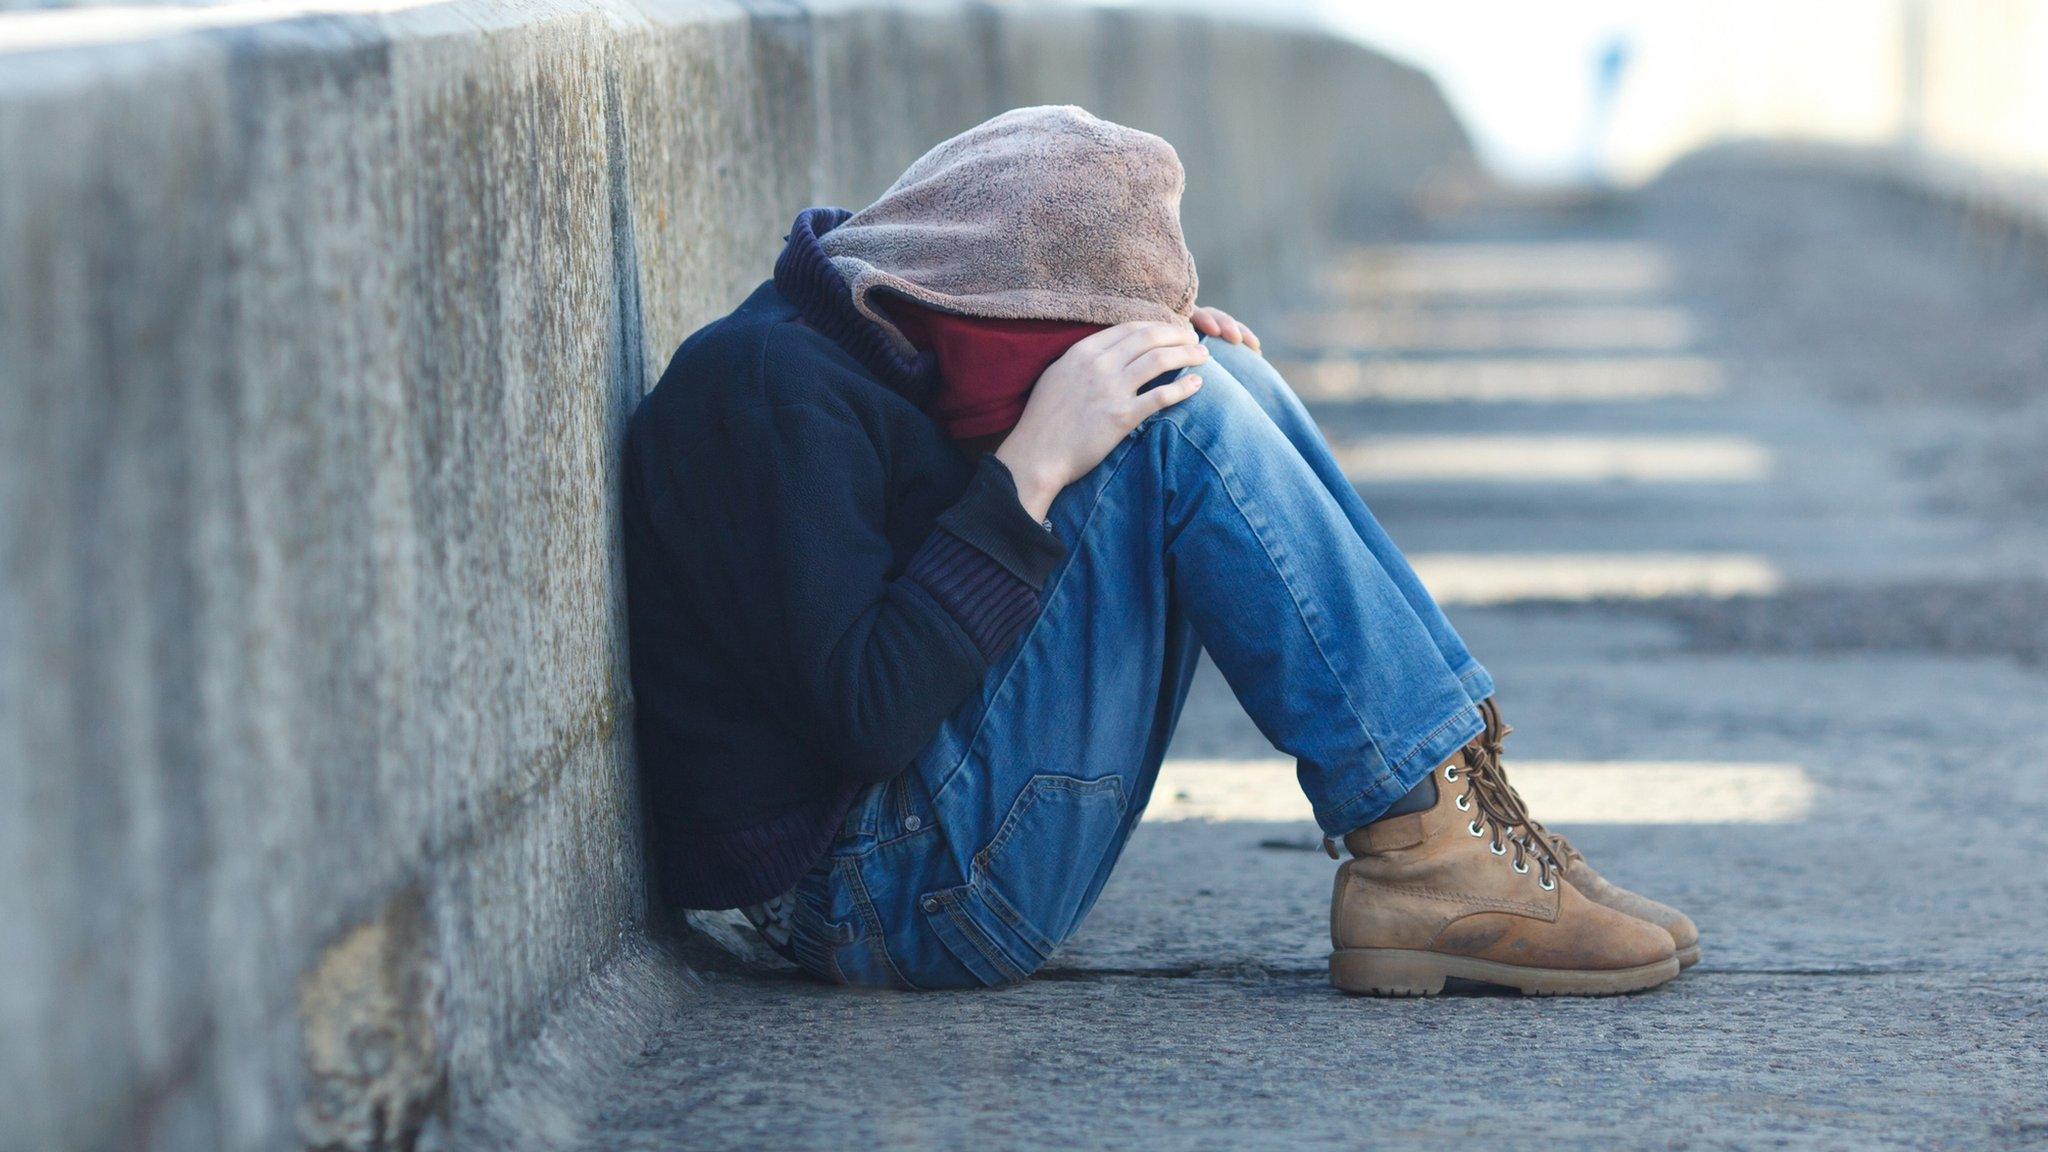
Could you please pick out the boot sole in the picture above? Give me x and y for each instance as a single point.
(1406, 972)
(1688, 956)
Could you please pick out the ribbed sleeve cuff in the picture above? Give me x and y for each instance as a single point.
(990, 603)
(991, 518)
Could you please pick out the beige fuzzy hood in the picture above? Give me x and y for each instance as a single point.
(1044, 213)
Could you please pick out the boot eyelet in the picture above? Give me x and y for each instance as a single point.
(1451, 773)
(1464, 802)
(1522, 867)
(1547, 884)
(1497, 848)
(1475, 829)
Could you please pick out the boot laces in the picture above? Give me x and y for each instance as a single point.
(1502, 812)
(1556, 851)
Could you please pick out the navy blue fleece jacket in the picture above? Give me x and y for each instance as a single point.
(816, 577)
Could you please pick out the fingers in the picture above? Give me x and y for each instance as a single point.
(1217, 322)
(1167, 395)
(1140, 337)
(1236, 332)
(1097, 342)
(1162, 359)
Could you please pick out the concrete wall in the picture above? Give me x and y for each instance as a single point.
(317, 332)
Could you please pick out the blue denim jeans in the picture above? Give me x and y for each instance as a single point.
(1221, 523)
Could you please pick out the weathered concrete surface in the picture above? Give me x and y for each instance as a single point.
(316, 337)
(1280, 1061)
(1873, 975)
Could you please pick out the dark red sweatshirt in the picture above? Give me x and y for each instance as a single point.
(986, 367)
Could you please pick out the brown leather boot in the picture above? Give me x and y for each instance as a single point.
(1448, 893)
(1685, 937)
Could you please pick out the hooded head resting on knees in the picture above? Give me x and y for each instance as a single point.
(1001, 247)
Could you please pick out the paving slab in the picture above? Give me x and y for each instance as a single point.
(1281, 1061)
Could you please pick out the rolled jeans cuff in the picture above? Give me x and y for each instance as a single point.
(1477, 682)
(1443, 741)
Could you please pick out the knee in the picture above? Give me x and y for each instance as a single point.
(1260, 380)
(1224, 402)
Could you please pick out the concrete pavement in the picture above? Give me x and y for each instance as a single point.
(1873, 972)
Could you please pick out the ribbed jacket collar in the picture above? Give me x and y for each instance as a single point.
(806, 278)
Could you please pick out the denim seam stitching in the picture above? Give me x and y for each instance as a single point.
(1387, 770)
(903, 813)
(983, 875)
(1467, 713)
(1024, 638)
(865, 903)
(1008, 914)
(898, 839)
(974, 936)
(1393, 772)
(816, 908)
(1074, 784)
(1286, 582)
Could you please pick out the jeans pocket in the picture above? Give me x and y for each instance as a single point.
(955, 916)
(1040, 873)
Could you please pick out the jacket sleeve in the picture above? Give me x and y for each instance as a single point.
(792, 567)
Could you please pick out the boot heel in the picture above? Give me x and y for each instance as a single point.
(1387, 972)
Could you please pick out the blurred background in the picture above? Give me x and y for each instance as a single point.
(1609, 91)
